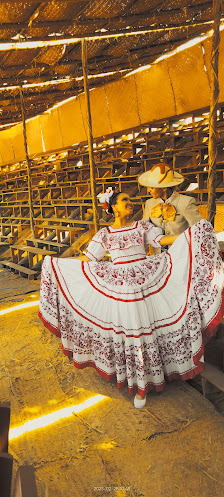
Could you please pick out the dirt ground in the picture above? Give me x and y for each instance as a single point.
(172, 448)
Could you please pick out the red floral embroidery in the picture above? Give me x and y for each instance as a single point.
(133, 275)
(112, 239)
(162, 350)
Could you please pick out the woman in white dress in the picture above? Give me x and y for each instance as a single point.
(140, 320)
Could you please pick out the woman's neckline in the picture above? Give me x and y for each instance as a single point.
(123, 227)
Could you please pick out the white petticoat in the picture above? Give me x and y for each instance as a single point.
(143, 322)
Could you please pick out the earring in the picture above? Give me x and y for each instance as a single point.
(116, 214)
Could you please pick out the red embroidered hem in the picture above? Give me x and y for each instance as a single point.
(208, 332)
(49, 326)
(199, 366)
(135, 389)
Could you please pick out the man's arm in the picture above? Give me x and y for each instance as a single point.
(191, 213)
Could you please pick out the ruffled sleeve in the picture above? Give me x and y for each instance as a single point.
(152, 234)
(97, 247)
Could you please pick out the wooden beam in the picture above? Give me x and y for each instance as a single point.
(48, 76)
(28, 163)
(6, 464)
(95, 23)
(25, 484)
(46, 1)
(39, 66)
(212, 147)
(4, 425)
(36, 24)
(90, 137)
(91, 36)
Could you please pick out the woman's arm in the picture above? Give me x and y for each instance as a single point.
(168, 239)
(97, 246)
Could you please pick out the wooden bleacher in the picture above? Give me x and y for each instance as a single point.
(18, 268)
(32, 252)
(62, 202)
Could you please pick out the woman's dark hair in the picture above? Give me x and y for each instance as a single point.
(112, 201)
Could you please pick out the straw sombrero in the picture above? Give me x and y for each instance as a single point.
(160, 176)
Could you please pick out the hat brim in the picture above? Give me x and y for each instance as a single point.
(145, 180)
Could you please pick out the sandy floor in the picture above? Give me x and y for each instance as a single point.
(172, 448)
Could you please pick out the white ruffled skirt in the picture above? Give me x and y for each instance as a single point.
(140, 323)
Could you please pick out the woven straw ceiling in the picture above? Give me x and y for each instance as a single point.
(177, 20)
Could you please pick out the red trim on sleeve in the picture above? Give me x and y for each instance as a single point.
(91, 255)
(154, 241)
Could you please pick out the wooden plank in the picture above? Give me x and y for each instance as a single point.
(25, 485)
(66, 220)
(46, 242)
(213, 376)
(62, 220)
(60, 228)
(13, 223)
(7, 239)
(30, 258)
(4, 426)
(6, 462)
(34, 250)
(20, 269)
(214, 98)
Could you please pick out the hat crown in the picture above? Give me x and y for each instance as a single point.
(160, 176)
(161, 171)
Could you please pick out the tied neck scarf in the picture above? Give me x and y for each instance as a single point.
(164, 210)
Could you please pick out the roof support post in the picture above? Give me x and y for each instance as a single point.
(212, 146)
(28, 163)
(90, 137)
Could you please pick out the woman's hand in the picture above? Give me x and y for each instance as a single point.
(168, 239)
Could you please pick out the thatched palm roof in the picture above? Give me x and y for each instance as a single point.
(163, 24)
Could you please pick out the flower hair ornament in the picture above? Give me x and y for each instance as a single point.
(105, 199)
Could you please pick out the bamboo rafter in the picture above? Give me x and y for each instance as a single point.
(22, 26)
(28, 164)
(90, 138)
(217, 5)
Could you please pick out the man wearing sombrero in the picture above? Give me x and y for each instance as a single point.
(168, 209)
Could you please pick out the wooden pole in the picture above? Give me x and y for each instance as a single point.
(212, 146)
(27, 163)
(90, 137)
